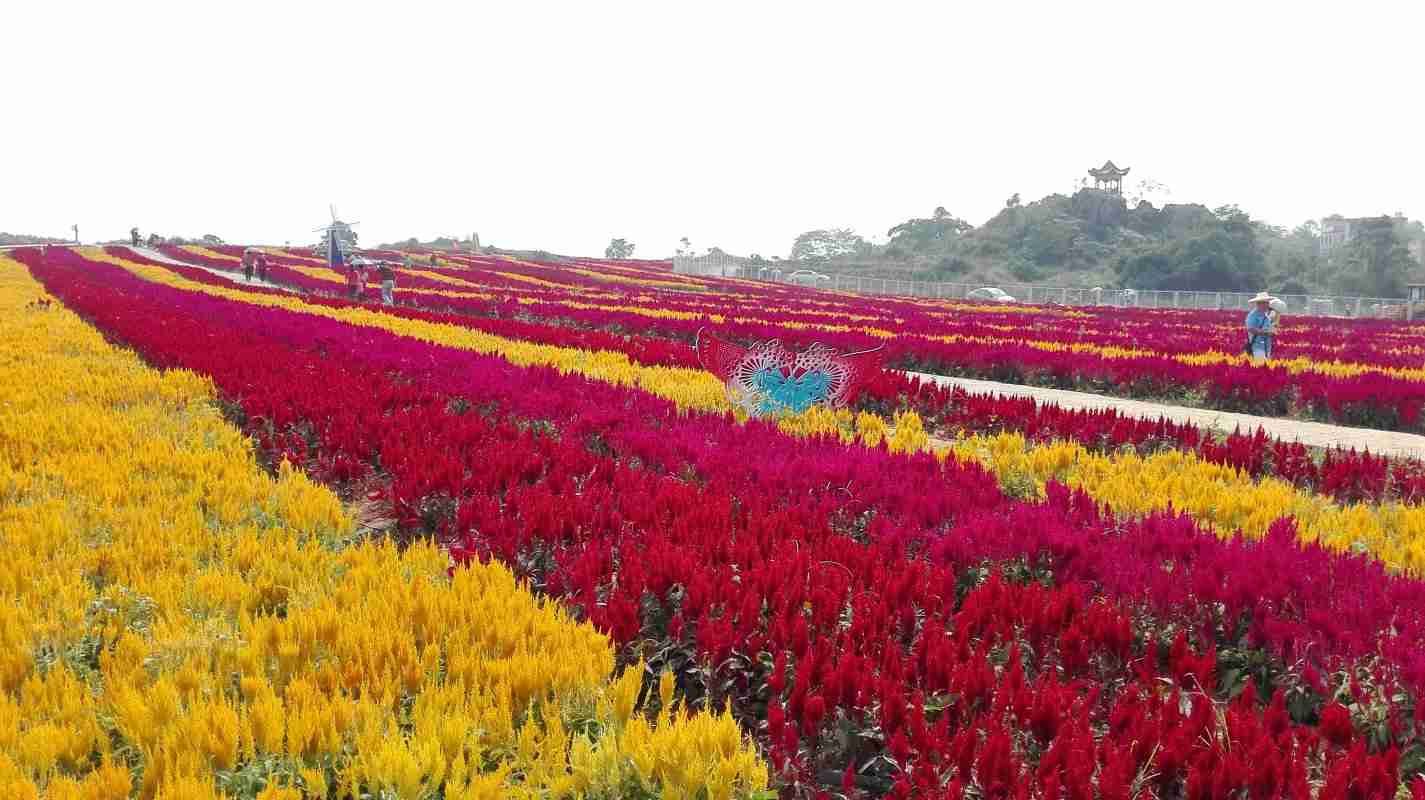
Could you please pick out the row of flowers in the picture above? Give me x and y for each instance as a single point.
(1346, 476)
(1379, 343)
(1349, 393)
(177, 622)
(1325, 347)
(1220, 495)
(773, 572)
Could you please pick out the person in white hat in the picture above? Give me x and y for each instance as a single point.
(1259, 326)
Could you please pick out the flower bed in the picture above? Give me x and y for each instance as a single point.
(842, 600)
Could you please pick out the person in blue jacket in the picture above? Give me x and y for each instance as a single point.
(1259, 327)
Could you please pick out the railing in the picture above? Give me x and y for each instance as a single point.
(1315, 305)
(729, 266)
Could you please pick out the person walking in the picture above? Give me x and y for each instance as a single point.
(388, 283)
(259, 261)
(1259, 327)
(249, 258)
(354, 278)
(134, 235)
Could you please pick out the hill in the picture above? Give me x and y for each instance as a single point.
(20, 238)
(1093, 238)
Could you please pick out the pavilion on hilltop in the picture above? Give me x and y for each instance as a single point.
(1108, 177)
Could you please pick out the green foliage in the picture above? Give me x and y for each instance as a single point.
(924, 235)
(619, 248)
(1220, 255)
(21, 238)
(1376, 261)
(821, 246)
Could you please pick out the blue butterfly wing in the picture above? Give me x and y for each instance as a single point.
(808, 391)
(771, 385)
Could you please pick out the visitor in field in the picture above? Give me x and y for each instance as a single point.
(388, 283)
(1259, 327)
(248, 260)
(259, 261)
(134, 235)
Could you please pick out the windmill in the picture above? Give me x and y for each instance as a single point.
(339, 232)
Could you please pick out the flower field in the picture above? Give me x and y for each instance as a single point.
(1365, 372)
(507, 538)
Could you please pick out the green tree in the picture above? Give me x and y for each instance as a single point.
(1294, 258)
(1376, 260)
(619, 248)
(922, 235)
(821, 246)
(1221, 255)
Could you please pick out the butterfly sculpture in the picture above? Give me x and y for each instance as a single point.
(767, 379)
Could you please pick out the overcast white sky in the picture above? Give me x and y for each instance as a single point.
(560, 125)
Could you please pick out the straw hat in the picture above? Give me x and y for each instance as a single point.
(1262, 297)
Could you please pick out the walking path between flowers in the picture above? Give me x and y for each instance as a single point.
(1311, 434)
(230, 277)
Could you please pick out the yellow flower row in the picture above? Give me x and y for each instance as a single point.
(688, 388)
(1294, 366)
(629, 280)
(1221, 496)
(1215, 494)
(515, 276)
(199, 250)
(285, 253)
(328, 275)
(1210, 358)
(1340, 369)
(176, 623)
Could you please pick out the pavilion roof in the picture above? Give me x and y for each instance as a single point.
(1108, 170)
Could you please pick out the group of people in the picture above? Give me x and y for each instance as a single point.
(1262, 323)
(254, 260)
(360, 271)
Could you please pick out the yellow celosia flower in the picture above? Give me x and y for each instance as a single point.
(166, 604)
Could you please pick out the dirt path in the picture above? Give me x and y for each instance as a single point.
(231, 277)
(1312, 434)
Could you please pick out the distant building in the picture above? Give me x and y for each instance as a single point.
(716, 264)
(1338, 231)
(1109, 177)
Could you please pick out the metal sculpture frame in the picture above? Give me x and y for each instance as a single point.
(767, 379)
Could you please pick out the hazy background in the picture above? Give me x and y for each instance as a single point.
(738, 125)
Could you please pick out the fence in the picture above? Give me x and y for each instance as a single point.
(1121, 298)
